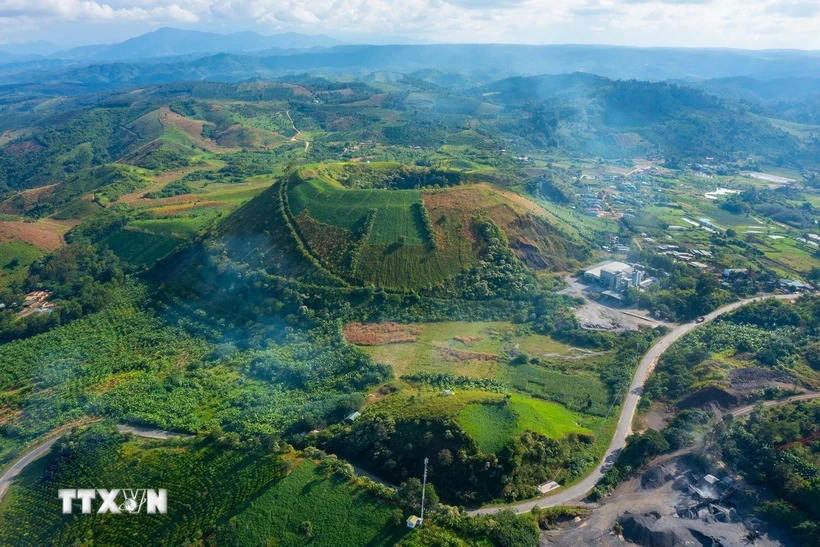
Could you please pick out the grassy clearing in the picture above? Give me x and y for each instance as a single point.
(492, 426)
(425, 354)
(15, 258)
(184, 228)
(409, 405)
(339, 513)
(235, 193)
(472, 343)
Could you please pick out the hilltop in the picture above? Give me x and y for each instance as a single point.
(391, 226)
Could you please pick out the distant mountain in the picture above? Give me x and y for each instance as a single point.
(794, 99)
(597, 115)
(38, 48)
(136, 61)
(759, 90)
(170, 42)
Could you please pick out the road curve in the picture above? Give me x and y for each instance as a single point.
(12, 472)
(41, 449)
(630, 404)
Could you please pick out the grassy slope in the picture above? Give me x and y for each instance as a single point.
(23, 253)
(492, 426)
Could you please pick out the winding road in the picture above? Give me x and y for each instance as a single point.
(14, 471)
(624, 429)
(561, 497)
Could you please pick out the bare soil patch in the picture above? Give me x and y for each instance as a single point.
(45, 236)
(450, 354)
(380, 334)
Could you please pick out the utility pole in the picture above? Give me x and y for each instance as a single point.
(423, 488)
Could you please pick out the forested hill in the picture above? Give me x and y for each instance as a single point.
(795, 99)
(591, 113)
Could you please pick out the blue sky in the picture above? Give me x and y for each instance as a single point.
(752, 24)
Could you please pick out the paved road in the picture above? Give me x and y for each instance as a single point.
(630, 404)
(41, 449)
(12, 472)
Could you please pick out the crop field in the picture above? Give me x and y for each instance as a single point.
(577, 392)
(203, 483)
(409, 266)
(183, 228)
(141, 248)
(347, 208)
(492, 426)
(339, 514)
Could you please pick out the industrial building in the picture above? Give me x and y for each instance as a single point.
(615, 276)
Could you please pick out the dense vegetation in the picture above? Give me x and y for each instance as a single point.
(206, 248)
(776, 448)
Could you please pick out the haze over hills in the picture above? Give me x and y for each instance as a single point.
(171, 54)
(171, 42)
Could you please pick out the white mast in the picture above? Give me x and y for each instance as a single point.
(423, 487)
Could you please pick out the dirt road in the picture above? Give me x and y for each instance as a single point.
(742, 411)
(624, 429)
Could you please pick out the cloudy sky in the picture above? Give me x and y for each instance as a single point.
(753, 24)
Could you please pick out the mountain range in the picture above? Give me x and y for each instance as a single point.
(171, 55)
(170, 42)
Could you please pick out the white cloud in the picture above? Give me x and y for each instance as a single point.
(734, 23)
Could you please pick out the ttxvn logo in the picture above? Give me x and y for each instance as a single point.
(116, 500)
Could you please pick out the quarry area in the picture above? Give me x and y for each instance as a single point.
(674, 502)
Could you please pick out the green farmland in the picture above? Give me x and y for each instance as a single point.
(339, 513)
(344, 208)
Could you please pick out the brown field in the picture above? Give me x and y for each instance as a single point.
(450, 354)
(374, 100)
(43, 234)
(182, 207)
(379, 334)
(193, 127)
(299, 91)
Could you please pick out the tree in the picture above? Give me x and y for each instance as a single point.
(397, 516)
(409, 494)
(306, 528)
